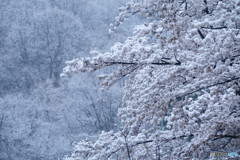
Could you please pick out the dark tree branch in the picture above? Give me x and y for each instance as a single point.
(200, 33)
(153, 63)
(114, 152)
(226, 136)
(209, 86)
(206, 10)
(230, 139)
(211, 27)
(130, 70)
(144, 142)
(181, 3)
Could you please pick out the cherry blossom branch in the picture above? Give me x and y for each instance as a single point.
(153, 63)
(211, 27)
(148, 141)
(174, 138)
(209, 86)
(115, 151)
(164, 61)
(144, 142)
(226, 136)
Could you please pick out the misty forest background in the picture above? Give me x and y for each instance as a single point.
(41, 114)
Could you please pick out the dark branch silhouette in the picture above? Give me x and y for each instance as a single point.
(227, 81)
(211, 27)
(200, 33)
(226, 136)
(153, 63)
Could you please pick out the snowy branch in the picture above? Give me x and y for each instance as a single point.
(143, 63)
(212, 85)
(226, 136)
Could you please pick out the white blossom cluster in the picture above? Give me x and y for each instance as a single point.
(182, 97)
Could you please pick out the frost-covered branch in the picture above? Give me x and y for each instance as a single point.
(226, 136)
(212, 85)
(211, 27)
(142, 63)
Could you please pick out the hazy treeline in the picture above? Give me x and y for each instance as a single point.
(40, 113)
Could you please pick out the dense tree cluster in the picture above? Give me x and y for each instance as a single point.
(38, 41)
(37, 37)
(43, 125)
(182, 96)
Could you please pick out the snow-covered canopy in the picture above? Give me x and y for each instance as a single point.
(182, 97)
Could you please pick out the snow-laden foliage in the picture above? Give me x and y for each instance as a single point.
(182, 97)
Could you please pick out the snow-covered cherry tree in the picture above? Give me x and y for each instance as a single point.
(182, 96)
